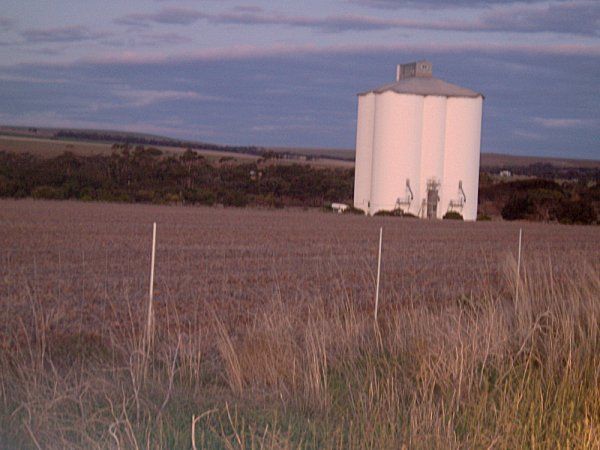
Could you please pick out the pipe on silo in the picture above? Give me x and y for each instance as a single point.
(396, 151)
(462, 151)
(364, 151)
(433, 142)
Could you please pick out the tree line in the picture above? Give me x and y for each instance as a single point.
(146, 175)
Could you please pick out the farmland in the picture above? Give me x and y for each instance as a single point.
(49, 147)
(263, 331)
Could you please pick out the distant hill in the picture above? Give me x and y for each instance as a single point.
(500, 160)
(121, 137)
(489, 161)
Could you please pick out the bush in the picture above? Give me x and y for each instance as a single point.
(390, 213)
(234, 198)
(574, 212)
(518, 207)
(452, 215)
(144, 196)
(352, 210)
(201, 196)
(47, 192)
(483, 217)
(394, 213)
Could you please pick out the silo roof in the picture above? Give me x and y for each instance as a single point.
(429, 85)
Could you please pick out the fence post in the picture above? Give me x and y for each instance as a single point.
(518, 266)
(378, 273)
(150, 319)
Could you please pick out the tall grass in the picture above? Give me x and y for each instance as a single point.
(479, 372)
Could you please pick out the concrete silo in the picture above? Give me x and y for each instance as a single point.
(417, 146)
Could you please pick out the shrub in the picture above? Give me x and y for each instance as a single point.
(395, 213)
(574, 212)
(144, 195)
(390, 213)
(481, 217)
(201, 196)
(234, 198)
(47, 192)
(453, 215)
(517, 207)
(352, 210)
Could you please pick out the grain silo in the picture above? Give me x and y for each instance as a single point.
(417, 146)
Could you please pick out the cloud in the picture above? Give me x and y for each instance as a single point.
(328, 24)
(166, 16)
(145, 97)
(247, 52)
(248, 9)
(146, 40)
(430, 4)
(6, 23)
(576, 17)
(163, 38)
(528, 135)
(30, 79)
(579, 17)
(61, 34)
(566, 123)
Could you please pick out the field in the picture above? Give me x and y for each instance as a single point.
(262, 333)
(49, 148)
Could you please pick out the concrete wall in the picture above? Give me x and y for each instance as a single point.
(418, 138)
(364, 151)
(396, 150)
(462, 148)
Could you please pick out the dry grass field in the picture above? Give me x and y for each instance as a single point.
(50, 148)
(263, 333)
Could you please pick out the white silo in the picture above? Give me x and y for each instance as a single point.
(395, 175)
(417, 146)
(364, 151)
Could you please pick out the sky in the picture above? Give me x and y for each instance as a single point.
(286, 73)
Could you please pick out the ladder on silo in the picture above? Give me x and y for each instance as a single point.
(462, 199)
(407, 200)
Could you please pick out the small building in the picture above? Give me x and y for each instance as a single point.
(339, 207)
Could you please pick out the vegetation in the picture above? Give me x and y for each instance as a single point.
(398, 212)
(145, 175)
(542, 200)
(263, 334)
(138, 174)
(129, 140)
(549, 171)
(453, 215)
(352, 210)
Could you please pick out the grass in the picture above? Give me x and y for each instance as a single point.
(265, 335)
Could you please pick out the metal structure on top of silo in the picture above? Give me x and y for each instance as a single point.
(417, 146)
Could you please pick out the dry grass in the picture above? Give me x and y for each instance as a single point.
(265, 336)
(50, 148)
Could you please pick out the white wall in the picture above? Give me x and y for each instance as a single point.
(461, 161)
(364, 151)
(396, 149)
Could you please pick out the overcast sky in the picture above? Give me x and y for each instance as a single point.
(286, 73)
